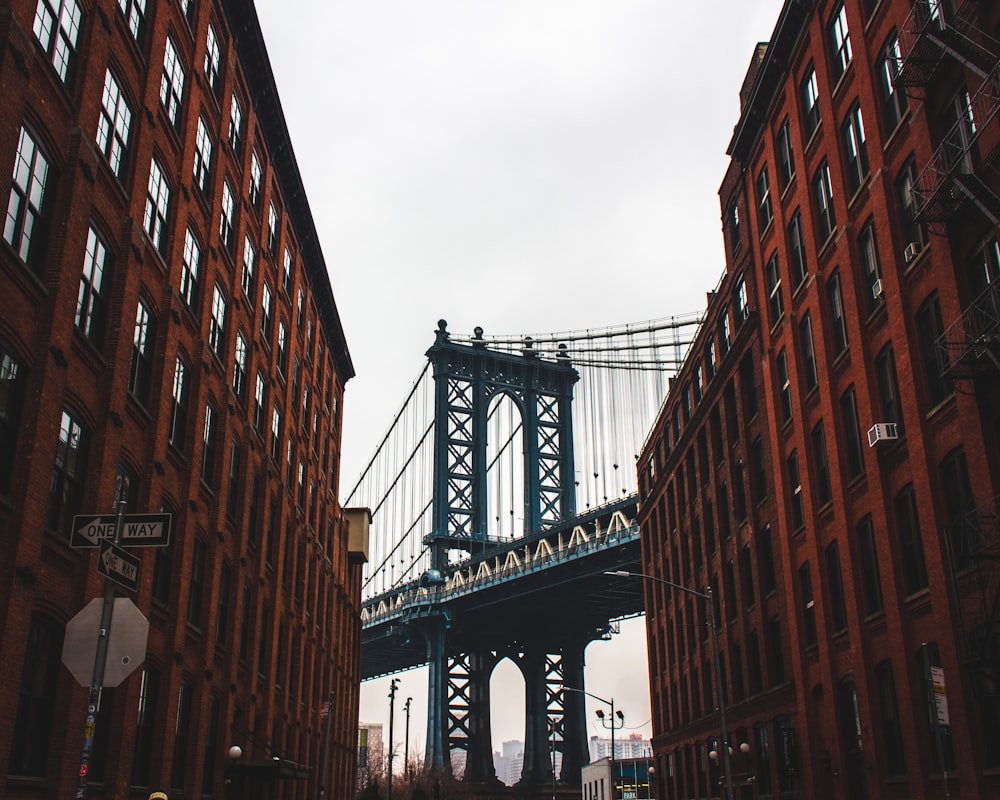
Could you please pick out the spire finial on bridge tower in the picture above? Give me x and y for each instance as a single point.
(441, 336)
(477, 337)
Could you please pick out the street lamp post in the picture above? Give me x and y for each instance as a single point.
(709, 598)
(406, 747)
(613, 727)
(393, 686)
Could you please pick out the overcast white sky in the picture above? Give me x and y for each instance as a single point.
(524, 165)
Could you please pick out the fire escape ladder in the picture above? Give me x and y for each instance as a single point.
(970, 346)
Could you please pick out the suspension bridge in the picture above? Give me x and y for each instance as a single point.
(502, 492)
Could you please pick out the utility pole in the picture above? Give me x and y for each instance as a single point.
(393, 686)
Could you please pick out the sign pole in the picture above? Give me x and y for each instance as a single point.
(326, 747)
(96, 684)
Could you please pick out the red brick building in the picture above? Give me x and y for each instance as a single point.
(828, 459)
(168, 336)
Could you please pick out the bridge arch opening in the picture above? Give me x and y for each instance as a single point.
(505, 473)
(507, 714)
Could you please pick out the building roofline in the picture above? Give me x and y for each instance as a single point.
(783, 43)
(249, 41)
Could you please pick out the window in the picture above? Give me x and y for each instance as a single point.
(226, 218)
(984, 267)
(272, 229)
(852, 434)
(892, 734)
(958, 119)
(240, 368)
(235, 124)
(855, 149)
(255, 174)
(776, 305)
(282, 348)
(68, 472)
(253, 515)
(888, 388)
(809, 90)
(275, 433)
(217, 325)
(764, 211)
(287, 273)
(723, 332)
(795, 487)
(146, 725)
(835, 578)
(134, 12)
(786, 158)
(157, 204)
(910, 541)
(233, 497)
(808, 352)
(23, 226)
(92, 300)
(202, 155)
(784, 386)
(871, 580)
(182, 724)
(300, 309)
(746, 576)
(114, 124)
(12, 382)
(824, 493)
(894, 100)
(265, 314)
(798, 265)
(729, 587)
(212, 58)
(190, 264)
(244, 640)
(36, 703)
(56, 27)
(914, 231)
(178, 405)
(930, 328)
(808, 605)
(742, 302)
(823, 192)
(758, 471)
(765, 561)
(248, 263)
(734, 227)
(141, 367)
(196, 583)
(172, 83)
(210, 759)
(259, 403)
(838, 322)
(960, 504)
(840, 43)
(870, 268)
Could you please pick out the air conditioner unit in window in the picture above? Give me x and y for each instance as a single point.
(882, 432)
(912, 251)
(877, 289)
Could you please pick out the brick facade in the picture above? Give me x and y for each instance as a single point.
(868, 566)
(121, 150)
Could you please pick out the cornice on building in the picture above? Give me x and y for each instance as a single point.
(771, 70)
(249, 41)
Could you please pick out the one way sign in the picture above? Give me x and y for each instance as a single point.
(119, 565)
(139, 530)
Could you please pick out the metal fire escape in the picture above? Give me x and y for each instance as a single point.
(938, 33)
(940, 40)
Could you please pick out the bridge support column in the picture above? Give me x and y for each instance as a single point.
(537, 767)
(436, 758)
(479, 749)
(575, 751)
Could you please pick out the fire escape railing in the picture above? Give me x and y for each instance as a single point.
(932, 32)
(974, 549)
(970, 346)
